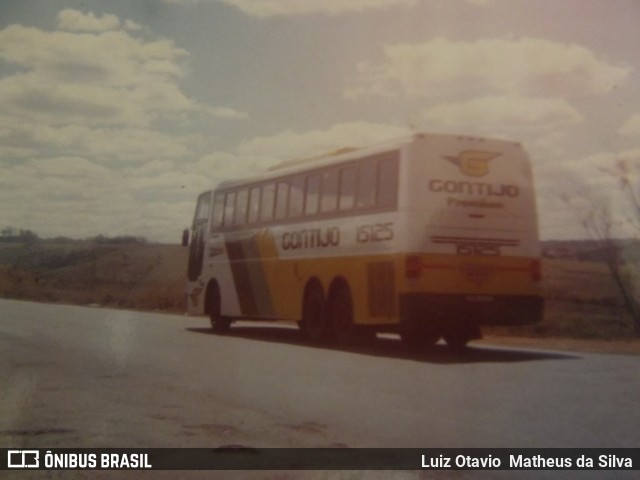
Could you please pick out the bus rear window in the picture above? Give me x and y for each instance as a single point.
(296, 196)
(282, 196)
(229, 207)
(254, 204)
(366, 191)
(387, 182)
(312, 195)
(242, 200)
(329, 200)
(266, 205)
(347, 188)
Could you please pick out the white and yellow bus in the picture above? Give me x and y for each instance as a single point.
(430, 237)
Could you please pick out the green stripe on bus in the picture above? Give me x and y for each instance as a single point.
(249, 278)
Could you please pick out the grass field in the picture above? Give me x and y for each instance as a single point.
(581, 299)
(138, 276)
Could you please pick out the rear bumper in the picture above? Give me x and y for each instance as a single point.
(479, 309)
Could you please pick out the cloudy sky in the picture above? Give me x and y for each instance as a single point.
(115, 115)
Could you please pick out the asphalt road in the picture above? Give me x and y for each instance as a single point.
(92, 377)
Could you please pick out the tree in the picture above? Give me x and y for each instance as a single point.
(27, 236)
(8, 232)
(601, 224)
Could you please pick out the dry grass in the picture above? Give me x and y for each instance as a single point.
(148, 277)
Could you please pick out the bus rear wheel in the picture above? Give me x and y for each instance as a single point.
(314, 324)
(456, 340)
(341, 314)
(458, 336)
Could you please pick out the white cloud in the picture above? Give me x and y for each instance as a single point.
(572, 190)
(81, 105)
(154, 167)
(73, 196)
(133, 26)
(272, 8)
(552, 145)
(108, 145)
(596, 176)
(632, 127)
(493, 112)
(260, 153)
(68, 167)
(104, 78)
(230, 113)
(110, 58)
(217, 167)
(524, 66)
(288, 144)
(74, 20)
(109, 78)
(481, 3)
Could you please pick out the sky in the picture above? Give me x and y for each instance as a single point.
(116, 115)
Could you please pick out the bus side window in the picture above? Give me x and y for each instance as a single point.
(312, 195)
(229, 205)
(366, 189)
(387, 182)
(282, 197)
(329, 201)
(218, 209)
(347, 188)
(254, 205)
(267, 201)
(240, 215)
(296, 196)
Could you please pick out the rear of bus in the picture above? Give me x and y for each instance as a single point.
(473, 249)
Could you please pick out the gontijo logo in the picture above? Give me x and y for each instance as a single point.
(474, 163)
(23, 459)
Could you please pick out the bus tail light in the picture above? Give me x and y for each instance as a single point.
(413, 267)
(536, 270)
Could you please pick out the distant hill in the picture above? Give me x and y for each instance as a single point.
(585, 250)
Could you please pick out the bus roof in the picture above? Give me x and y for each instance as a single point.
(343, 154)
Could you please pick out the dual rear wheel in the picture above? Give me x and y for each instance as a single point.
(330, 320)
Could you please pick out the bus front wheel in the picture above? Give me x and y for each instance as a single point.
(219, 323)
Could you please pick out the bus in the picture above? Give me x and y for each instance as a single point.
(430, 237)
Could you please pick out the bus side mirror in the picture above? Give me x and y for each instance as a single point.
(185, 237)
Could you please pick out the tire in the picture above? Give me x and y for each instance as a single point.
(459, 335)
(340, 313)
(456, 340)
(314, 324)
(219, 323)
